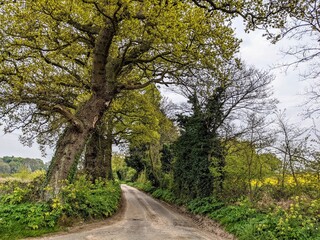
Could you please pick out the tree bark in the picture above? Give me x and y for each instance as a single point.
(71, 145)
(108, 150)
(72, 142)
(98, 154)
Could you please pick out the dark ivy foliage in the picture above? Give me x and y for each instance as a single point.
(192, 177)
(166, 158)
(196, 147)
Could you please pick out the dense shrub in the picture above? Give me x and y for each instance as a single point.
(244, 220)
(164, 195)
(146, 187)
(204, 205)
(86, 200)
(22, 216)
(17, 191)
(27, 219)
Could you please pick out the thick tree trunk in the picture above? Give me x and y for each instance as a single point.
(72, 142)
(98, 154)
(108, 150)
(71, 145)
(93, 161)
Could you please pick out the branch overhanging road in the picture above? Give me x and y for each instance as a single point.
(144, 218)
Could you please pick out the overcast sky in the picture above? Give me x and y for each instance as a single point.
(255, 50)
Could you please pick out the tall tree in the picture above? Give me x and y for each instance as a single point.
(258, 137)
(192, 176)
(141, 123)
(166, 158)
(52, 52)
(225, 99)
(303, 28)
(98, 152)
(62, 63)
(244, 166)
(137, 159)
(265, 14)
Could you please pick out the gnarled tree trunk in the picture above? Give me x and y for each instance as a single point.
(71, 145)
(72, 142)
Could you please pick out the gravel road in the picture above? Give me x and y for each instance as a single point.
(143, 218)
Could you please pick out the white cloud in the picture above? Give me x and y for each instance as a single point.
(288, 88)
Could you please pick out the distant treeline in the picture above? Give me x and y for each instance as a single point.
(15, 164)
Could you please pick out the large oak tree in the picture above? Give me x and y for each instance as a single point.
(63, 62)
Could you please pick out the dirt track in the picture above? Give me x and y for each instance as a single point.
(143, 218)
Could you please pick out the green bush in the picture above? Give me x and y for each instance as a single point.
(27, 219)
(22, 216)
(299, 222)
(14, 191)
(204, 205)
(164, 195)
(146, 187)
(86, 200)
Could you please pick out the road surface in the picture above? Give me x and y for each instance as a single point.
(143, 218)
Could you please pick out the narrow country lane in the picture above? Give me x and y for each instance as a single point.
(144, 218)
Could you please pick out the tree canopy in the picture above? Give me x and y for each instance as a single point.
(63, 62)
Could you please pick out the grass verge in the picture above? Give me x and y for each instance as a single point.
(299, 219)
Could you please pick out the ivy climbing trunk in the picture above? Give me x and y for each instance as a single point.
(219, 163)
(192, 176)
(108, 150)
(71, 145)
(98, 154)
